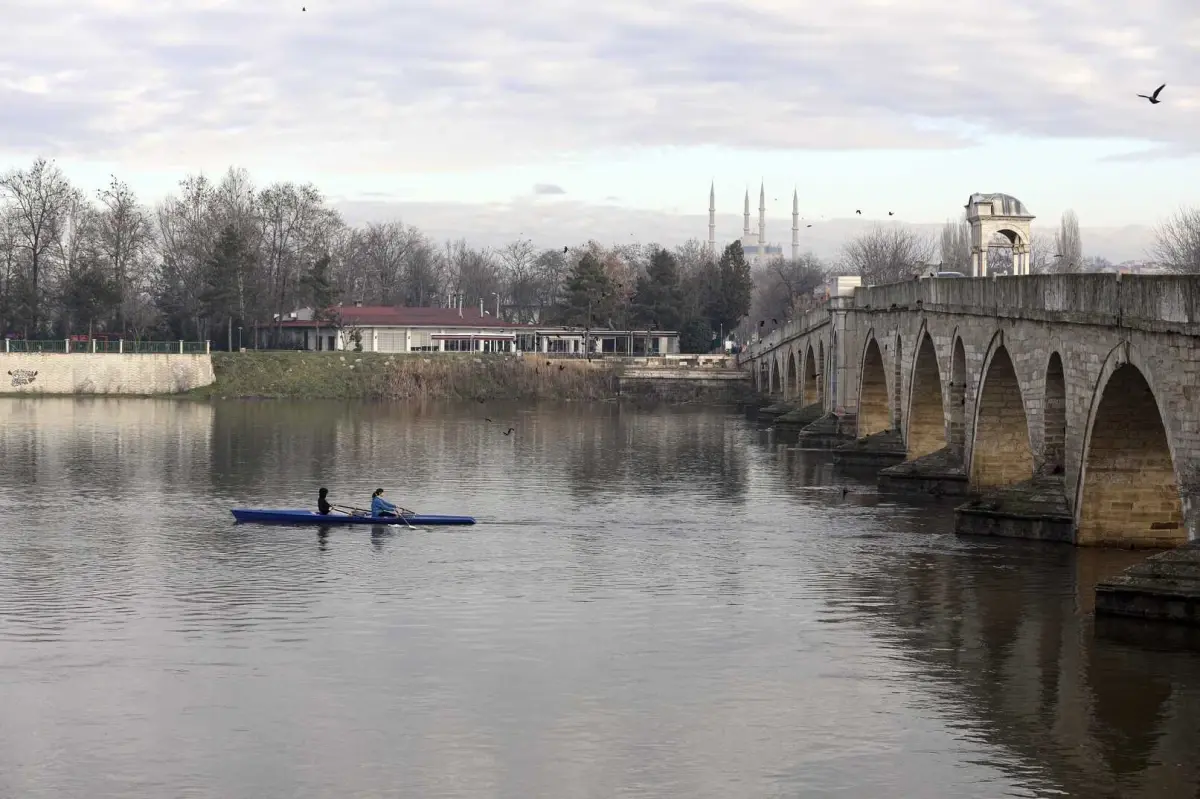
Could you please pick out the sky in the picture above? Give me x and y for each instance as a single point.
(564, 120)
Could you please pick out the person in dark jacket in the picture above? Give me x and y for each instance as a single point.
(323, 506)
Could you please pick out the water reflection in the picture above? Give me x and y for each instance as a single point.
(658, 603)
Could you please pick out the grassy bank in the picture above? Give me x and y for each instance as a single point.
(366, 375)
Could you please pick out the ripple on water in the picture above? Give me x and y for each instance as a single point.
(653, 604)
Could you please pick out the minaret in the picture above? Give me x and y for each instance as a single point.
(712, 220)
(762, 220)
(746, 226)
(795, 225)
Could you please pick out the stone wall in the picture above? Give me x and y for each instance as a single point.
(85, 373)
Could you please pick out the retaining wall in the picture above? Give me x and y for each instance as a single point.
(84, 373)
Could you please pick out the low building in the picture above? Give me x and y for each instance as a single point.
(388, 329)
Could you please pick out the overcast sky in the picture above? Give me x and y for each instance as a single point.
(564, 119)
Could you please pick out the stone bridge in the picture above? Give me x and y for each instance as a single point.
(1065, 406)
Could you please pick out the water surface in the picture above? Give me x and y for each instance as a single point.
(655, 603)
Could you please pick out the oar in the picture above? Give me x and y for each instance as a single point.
(400, 513)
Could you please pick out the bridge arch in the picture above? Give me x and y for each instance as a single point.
(1054, 417)
(810, 387)
(790, 375)
(1128, 492)
(873, 413)
(1001, 453)
(958, 396)
(926, 407)
(776, 373)
(898, 384)
(822, 372)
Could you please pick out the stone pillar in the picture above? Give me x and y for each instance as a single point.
(979, 262)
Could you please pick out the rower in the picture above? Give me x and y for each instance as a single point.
(323, 506)
(381, 507)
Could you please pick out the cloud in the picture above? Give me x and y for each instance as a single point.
(200, 83)
(570, 223)
(548, 188)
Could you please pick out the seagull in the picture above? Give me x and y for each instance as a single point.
(890, 213)
(509, 431)
(1056, 255)
(810, 225)
(1153, 98)
(858, 212)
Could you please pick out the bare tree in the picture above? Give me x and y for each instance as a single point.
(1041, 252)
(784, 288)
(1068, 244)
(1177, 242)
(124, 234)
(39, 197)
(187, 230)
(887, 255)
(955, 246)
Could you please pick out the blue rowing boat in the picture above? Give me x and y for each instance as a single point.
(312, 517)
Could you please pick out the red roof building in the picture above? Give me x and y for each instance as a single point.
(403, 329)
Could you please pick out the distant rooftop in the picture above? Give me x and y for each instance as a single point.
(1002, 204)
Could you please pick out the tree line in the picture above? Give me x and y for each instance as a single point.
(216, 255)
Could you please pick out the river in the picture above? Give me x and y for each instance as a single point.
(655, 603)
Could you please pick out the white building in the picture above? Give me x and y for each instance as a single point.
(754, 246)
(397, 330)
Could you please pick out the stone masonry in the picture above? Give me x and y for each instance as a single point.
(1090, 382)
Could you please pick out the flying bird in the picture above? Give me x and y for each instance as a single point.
(509, 431)
(1056, 255)
(775, 321)
(858, 212)
(486, 419)
(564, 250)
(890, 213)
(1153, 98)
(810, 225)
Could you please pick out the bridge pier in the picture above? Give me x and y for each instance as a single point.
(1035, 509)
(938, 474)
(881, 449)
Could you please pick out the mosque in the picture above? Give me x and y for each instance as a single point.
(755, 247)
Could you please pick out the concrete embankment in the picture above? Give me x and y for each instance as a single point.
(108, 373)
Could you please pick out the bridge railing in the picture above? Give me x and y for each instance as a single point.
(790, 329)
(1129, 300)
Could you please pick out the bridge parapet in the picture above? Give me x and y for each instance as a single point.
(1155, 303)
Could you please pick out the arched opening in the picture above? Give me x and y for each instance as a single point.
(810, 378)
(764, 375)
(958, 398)
(926, 414)
(1130, 495)
(897, 385)
(822, 373)
(1054, 413)
(776, 385)
(1001, 454)
(1000, 252)
(789, 382)
(873, 393)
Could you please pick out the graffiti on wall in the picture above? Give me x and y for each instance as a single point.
(22, 377)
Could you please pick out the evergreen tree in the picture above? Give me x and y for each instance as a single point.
(589, 294)
(321, 291)
(223, 270)
(730, 302)
(658, 299)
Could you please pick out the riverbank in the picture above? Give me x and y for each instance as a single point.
(379, 376)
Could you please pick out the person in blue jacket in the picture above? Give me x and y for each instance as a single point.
(381, 507)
